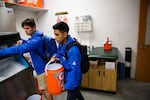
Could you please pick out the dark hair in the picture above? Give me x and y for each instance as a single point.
(28, 22)
(61, 26)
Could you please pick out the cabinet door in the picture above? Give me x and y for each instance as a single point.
(95, 79)
(85, 79)
(109, 80)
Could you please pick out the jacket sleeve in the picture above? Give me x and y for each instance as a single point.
(24, 41)
(20, 49)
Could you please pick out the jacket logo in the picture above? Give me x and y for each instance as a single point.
(74, 63)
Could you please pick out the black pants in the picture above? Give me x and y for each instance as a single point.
(74, 94)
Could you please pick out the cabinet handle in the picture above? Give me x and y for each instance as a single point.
(142, 46)
(104, 73)
(99, 73)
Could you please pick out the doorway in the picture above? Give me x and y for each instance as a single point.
(143, 48)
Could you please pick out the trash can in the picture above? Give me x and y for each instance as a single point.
(128, 52)
(121, 71)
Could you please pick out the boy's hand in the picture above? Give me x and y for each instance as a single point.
(63, 89)
(19, 42)
(53, 59)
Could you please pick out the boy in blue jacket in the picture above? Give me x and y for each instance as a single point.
(71, 65)
(34, 45)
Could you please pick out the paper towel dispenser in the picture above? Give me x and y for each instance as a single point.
(7, 20)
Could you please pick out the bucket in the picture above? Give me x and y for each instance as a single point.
(38, 3)
(107, 46)
(22, 2)
(29, 2)
(54, 77)
(35, 97)
(25, 2)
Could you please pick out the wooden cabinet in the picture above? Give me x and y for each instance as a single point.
(85, 79)
(102, 74)
(95, 79)
(101, 78)
(109, 80)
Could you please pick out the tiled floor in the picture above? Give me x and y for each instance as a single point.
(127, 89)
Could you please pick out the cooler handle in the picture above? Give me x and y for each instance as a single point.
(46, 67)
(50, 62)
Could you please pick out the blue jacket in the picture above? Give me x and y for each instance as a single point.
(73, 74)
(32, 45)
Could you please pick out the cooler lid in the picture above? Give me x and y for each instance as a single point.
(53, 66)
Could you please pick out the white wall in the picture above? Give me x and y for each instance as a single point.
(117, 19)
(22, 15)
